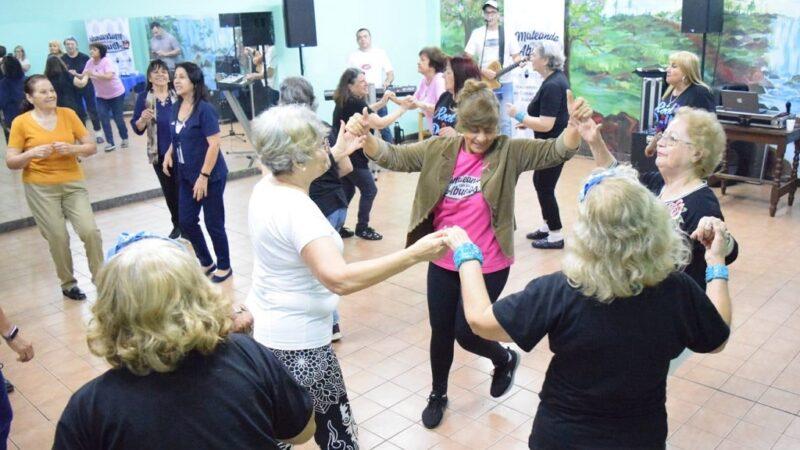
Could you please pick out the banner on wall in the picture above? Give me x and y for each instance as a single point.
(115, 34)
(529, 21)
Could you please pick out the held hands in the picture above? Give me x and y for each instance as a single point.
(408, 103)
(62, 148)
(358, 124)
(200, 189)
(242, 320)
(455, 236)
(511, 110)
(588, 129)
(578, 108)
(430, 248)
(489, 74)
(348, 142)
(713, 234)
(650, 150)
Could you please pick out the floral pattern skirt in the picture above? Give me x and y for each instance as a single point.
(318, 370)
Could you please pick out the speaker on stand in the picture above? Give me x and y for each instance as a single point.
(301, 26)
(702, 16)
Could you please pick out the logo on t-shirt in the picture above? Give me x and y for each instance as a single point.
(676, 210)
(463, 187)
(366, 67)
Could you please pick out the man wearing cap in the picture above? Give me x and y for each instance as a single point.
(486, 45)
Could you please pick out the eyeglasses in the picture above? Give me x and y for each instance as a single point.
(670, 140)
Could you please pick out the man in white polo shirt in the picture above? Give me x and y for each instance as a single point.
(488, 44)
(376, 66)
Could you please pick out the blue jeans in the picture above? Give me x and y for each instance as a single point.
(112, 108)
(336, 220)
(5, 414)
(214, 215)
(386, 135)
(505, 94)
(361, 178)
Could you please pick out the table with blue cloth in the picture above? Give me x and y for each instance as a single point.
(131, 81)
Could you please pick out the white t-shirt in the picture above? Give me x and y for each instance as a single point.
(374, 62)
(291, 308)
(492, 52)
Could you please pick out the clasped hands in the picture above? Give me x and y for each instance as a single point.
(44, 151)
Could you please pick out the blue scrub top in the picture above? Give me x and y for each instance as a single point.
(163, 122)
(192, 144)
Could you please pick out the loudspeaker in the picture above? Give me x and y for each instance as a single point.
(257, 29)
(639, 160)
(229, 20)
(300, 23)
(702, 16)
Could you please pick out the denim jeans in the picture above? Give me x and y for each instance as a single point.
(505, 94)
(112, 108)
(336, 220)
(361, 178)
(386, 134)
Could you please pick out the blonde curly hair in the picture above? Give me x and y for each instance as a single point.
(623, 240)
(154, 306)
(707, 137)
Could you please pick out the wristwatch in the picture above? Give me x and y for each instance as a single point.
(12, 334)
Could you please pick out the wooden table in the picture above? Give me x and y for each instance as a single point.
(779, 138)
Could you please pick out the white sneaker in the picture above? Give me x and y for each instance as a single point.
(124, 143)
(110, 147)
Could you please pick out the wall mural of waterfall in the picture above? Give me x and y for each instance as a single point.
(609, 38)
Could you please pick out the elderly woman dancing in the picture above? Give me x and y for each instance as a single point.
(615, 316)
(179, 378)
(299, 272)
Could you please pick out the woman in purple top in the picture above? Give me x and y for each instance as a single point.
(110, 92)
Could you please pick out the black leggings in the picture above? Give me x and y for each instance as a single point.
(544, 180)
(448, 324)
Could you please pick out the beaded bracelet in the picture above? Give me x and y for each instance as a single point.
(716, 271)
(467, 252)
(520, 116)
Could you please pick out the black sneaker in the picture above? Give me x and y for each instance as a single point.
(538, 234)
(503, 377)
(336, 333)
(433, 413)
(9, 386)
(345, 233)
(545, 244)
(175, 233)
(369, 234)
(74, 293)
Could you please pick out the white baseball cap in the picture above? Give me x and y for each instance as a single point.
(492, 3)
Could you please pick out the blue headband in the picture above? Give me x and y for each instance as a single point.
(594, 181)
(125, 239)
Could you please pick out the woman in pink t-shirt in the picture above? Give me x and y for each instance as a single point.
(432, 62)
(109, 90)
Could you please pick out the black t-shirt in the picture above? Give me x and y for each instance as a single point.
(687, 212)
(344, 113)
(326, 191)
(695, 96)
(241, 396)
(444, 113)
(606, 384)
(77, 64)
(551, 101)
(66, 92)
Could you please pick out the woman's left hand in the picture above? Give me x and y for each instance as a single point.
(511, 110)
(348, 142)
(578, 108)
(708, 228)
(455, 237)
(200, 190)
(62, 148)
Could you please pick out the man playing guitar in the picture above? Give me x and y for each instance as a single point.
(488, 46)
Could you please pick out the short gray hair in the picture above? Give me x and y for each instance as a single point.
(297, 90)
(287, 135)
(552, 52)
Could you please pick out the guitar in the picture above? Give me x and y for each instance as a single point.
(500, 71)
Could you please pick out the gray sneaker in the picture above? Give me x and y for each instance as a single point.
(124, 143)
(110, 147)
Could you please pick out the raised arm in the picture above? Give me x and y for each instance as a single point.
(401, 158)
(713, 236)
(590, 132)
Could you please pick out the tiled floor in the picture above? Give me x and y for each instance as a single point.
(745, 397)
(110, 175)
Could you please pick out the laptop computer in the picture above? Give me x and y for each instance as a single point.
(740, 101)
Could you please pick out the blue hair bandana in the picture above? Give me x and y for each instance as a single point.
(594, 181)
(125, 239)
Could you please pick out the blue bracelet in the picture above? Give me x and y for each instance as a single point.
(520, 116)
(716, 271)
(467, 252)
